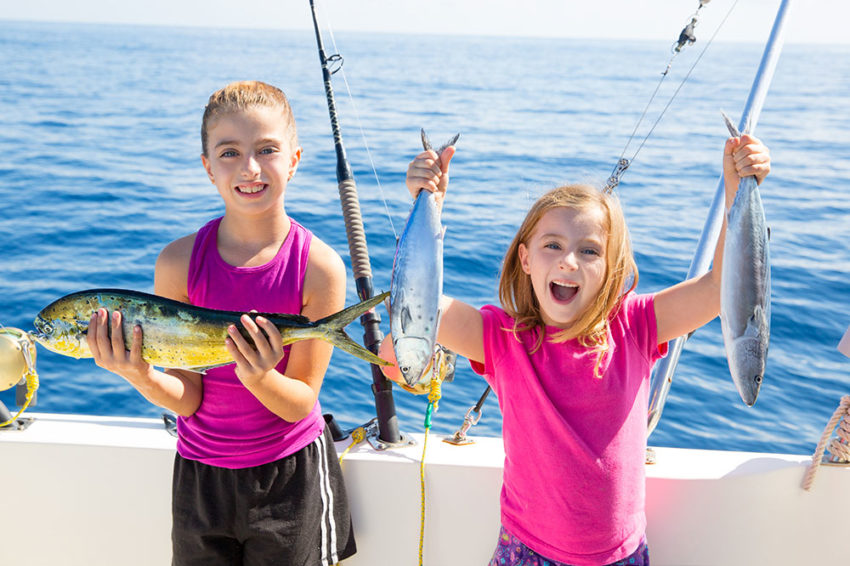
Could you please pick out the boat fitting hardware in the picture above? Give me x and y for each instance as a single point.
(459, 438)
(373, 436)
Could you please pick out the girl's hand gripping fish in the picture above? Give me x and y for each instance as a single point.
(417, 281)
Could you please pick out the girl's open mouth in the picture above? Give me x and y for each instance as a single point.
(563, 292)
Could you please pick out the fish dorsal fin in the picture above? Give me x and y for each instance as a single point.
(299, 318)
(204, 369)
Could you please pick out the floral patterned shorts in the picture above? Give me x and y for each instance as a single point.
(512, 552)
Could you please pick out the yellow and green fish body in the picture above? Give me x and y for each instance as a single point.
(180, 335)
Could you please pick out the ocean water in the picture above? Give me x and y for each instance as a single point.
(100, 168)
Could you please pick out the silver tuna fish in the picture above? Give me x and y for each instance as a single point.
(745, 288)
(417, 284)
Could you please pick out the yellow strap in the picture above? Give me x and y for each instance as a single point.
(32, 386)
(422, 498)
(357, 436)
(433, 398)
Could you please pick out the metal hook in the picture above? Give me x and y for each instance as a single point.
(614, 179)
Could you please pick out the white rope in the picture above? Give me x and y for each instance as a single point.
(840, 446)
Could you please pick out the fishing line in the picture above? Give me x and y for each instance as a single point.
(684, 38)
(338, 57)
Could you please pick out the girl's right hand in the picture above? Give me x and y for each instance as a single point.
(110, 352)
(430, 172)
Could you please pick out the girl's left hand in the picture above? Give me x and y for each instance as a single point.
(253, 362)
(743, 157)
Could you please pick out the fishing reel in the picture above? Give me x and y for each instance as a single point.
(17, 355)
(17, 366)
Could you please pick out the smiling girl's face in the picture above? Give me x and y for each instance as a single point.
(250, 158)
(565, 259)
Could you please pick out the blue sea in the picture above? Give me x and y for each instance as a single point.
(100, 168)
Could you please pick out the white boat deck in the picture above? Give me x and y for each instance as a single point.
(96, 490)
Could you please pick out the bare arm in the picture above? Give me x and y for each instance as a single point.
(684, 307)
(293, 395)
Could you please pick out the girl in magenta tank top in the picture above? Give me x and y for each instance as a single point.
(256, 476)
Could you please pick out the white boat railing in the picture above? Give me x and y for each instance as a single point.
(95, 491)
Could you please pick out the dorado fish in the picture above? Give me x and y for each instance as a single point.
(417, 284)
(745, 288)
(180, 335)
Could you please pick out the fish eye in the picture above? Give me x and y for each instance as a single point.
(758, 379)
(405, 369)
(47, 328)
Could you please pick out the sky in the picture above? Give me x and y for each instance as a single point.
(808, 21)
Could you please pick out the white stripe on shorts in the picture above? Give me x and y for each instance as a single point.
(328, 523)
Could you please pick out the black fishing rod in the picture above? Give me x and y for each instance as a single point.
(382, 388)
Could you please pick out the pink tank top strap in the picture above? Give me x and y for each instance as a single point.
(276, 286)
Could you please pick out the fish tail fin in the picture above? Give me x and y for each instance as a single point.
(426, 143)
(333, 329)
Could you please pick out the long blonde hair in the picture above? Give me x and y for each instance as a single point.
(241, 95)
(517, 294)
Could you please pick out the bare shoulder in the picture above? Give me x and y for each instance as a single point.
(171, 275)
(325, 267)
(324, 280)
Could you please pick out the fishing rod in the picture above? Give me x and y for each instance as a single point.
(662, 375)
(388, 431)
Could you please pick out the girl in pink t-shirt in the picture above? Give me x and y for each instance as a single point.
(569, 354)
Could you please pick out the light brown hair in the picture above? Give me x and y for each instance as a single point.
(241, 95)
(517, 294)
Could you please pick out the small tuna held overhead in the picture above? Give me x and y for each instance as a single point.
(417, 284)
(745, 288)
(180, 335)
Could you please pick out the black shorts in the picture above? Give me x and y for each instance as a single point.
(292, 512)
